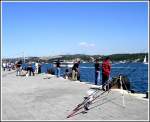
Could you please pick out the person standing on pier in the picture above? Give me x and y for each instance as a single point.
(9, 66)
(18, 67)
(75, 71)
(106, 68)
(4, 66)
(36, 67)
(30, 69)
(58, 68)
(39, 68)
(97, 72)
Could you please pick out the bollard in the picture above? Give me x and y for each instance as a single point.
(147, 94)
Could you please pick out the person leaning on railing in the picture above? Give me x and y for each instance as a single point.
(75, 71)
(106, 68)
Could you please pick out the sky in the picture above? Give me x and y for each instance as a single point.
(54, 28)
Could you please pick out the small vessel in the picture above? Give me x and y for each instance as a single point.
(122, 62)
(67, 64)
(136, 60)
(145, 62)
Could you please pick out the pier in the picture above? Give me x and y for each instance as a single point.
(46, 97)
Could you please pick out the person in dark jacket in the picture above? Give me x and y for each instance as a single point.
(97, 71)
(106, 68)
(75, 71)
(30, 69)
(58, 68)
(39, 69)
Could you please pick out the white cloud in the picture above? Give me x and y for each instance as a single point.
(83, 44)
(86, 45)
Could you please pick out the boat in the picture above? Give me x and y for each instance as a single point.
(136, 60)
(122, 62)
(145, 62)
(67, 64)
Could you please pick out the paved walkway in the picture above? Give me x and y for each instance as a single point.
(39, 98)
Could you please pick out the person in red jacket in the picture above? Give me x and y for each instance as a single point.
(106, 68)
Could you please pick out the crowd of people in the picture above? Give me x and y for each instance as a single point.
(31, 69)
(21, 68)
(72, 74)
(8, 66)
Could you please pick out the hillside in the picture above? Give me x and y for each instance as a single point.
(136, 57)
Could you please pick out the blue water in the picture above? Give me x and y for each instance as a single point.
(136, 72)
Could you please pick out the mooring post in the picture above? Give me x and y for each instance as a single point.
(123, 101)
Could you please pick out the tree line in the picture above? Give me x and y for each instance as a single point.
(138, 57)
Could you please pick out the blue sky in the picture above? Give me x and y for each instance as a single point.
(42, 29)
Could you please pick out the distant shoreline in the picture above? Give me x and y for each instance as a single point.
(134, 57)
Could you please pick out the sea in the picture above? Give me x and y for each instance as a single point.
(137, 73)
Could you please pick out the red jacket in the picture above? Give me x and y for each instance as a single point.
(106, 67)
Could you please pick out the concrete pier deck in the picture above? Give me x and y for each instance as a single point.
(40, 98)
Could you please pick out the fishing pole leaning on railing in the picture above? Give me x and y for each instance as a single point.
(120, 82)
(85, 103)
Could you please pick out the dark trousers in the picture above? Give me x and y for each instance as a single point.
(78, 76)
(30, 69)
(104, 79)
(96, 77)
(4, 68)
(39, 70)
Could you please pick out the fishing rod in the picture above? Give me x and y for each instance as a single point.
(87, 100)
(107, 86)
(85, 103)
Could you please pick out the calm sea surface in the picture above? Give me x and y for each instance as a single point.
(136, 72)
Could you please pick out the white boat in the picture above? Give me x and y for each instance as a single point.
(122, 62)
(145, 62)
(67, 64)
(136, 60)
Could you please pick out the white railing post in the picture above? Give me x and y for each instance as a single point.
(122, 91)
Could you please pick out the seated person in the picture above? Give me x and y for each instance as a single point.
(24, 72)
(66, 75)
